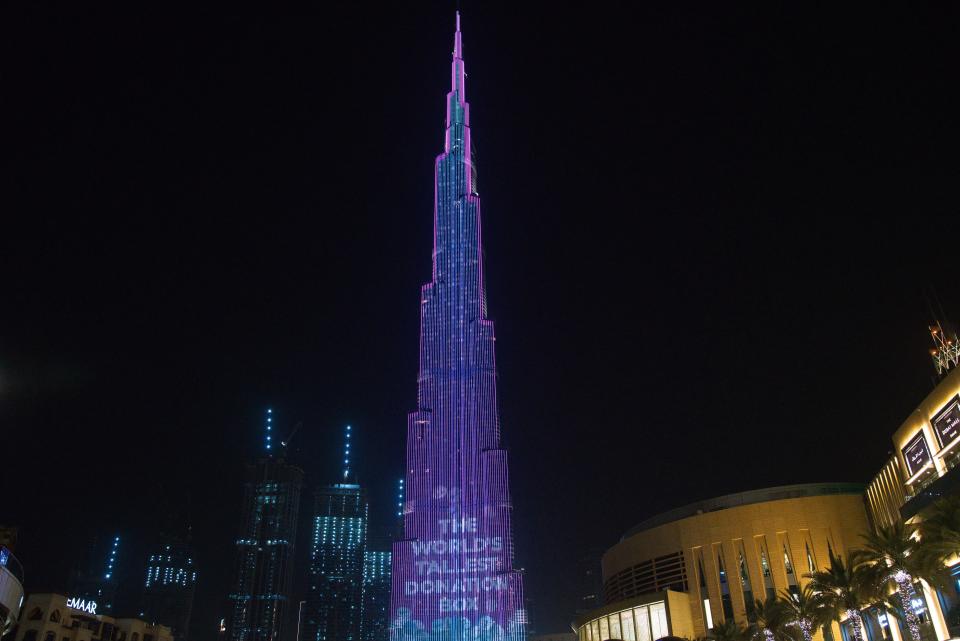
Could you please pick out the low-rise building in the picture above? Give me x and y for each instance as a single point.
(55, 617)
(11, 589)
(926, 453)
(922, 469)
(681, 572)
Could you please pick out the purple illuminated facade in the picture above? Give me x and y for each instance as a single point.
(453, 575)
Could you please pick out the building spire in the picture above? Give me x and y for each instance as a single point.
(269, 431)
(458, 40)
(346, 454)
(458, 76)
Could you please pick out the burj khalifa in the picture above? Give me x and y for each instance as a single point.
(453, 573)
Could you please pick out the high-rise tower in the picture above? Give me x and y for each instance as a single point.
(334, 602)
(376, 590)
(261, 599)
(453, 575)
(333, 608)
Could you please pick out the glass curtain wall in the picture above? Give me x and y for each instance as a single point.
(644, 623)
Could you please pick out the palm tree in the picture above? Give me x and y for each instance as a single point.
(727, 631)
(804, 609)
(842, 589)
(772, 621)
(891, 555)
(940, 530)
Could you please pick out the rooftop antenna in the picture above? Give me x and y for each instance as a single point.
(269, 435)
(945, 352)
(946, 348)
(346, 454)
(112, 559)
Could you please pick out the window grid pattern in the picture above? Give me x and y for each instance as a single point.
(662, 573)
(456, 473)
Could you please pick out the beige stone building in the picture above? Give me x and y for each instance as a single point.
(682, 572)
(923, 468)
(926, 449)
(55, 617)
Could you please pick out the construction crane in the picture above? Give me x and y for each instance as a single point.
(286, 442)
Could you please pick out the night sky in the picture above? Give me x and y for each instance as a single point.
(709, 232)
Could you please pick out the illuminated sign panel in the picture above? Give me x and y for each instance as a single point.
(80, 604)
(916, 454)
(947, 422)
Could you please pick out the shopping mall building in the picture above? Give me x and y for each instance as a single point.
(684, 571)
(11, 589)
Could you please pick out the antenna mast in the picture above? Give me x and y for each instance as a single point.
(269, 430)
(346, 455)
(946, 348)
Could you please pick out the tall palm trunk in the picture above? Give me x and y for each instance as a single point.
(856, 623)
(905, 589)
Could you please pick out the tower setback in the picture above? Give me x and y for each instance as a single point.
(453, 574)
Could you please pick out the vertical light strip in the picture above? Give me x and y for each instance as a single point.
(269, 430)
(346, 453)
(112, 558)
(457, 486)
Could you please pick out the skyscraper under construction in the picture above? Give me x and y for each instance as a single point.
(261, 600)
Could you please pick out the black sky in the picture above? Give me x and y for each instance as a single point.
(708, 233)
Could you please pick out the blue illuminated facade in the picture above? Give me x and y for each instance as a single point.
(376, 594)
(453, 572)
(333, 609)
(262, 607)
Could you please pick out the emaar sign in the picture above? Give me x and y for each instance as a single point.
(79, 604)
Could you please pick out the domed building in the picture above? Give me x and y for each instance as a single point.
(682, 572)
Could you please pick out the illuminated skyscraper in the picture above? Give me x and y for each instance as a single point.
(453, 574)
(262, 608)
(170, 586)
(376, 592)
(333, 610)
